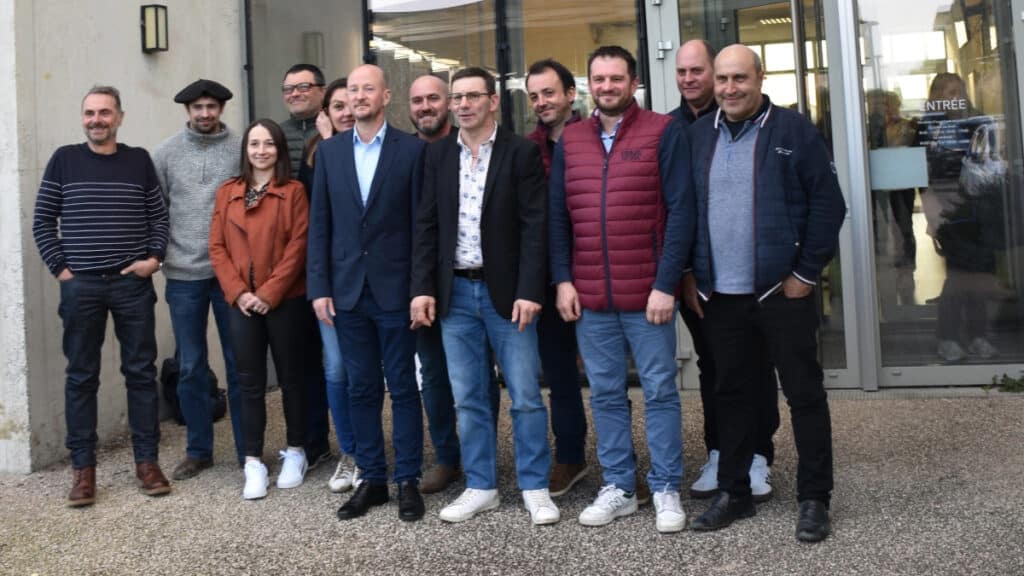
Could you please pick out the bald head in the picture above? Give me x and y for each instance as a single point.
(428, 107)
(368, 95)
(738, 78)
(695, 74)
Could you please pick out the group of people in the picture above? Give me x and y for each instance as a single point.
(463, 246)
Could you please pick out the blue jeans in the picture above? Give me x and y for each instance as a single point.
(85, 301)
(438, 402)
(189, 303)
(470, 325)
(603, 339)
(337, 388)
(371, 338)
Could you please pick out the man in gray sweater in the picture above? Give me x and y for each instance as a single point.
(191, 166)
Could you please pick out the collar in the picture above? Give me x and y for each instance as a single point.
(490, 139)
(763, 114)
(379, 136)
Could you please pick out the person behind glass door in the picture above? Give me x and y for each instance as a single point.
(428, 112)
(258, 251)
(696, 82)
(335, 117)
(968, 231)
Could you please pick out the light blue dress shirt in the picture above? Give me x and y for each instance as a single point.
(367, 156)
(608, 139)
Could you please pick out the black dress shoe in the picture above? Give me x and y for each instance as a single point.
(366, 496)
(410, 503)
(723, 511)
(812, 524)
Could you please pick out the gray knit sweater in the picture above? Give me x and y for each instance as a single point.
(191, 166)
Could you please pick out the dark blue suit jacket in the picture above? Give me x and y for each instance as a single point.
(351, 244)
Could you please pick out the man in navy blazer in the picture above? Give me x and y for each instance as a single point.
(365, 186)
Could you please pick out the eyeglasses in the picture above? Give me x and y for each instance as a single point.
(300, 88)
(471, 97)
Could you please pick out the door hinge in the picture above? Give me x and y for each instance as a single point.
(662, 47)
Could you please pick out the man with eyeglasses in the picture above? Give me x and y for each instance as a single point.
(479, 268)
(428, 111)
(621, 225)
(303, 93)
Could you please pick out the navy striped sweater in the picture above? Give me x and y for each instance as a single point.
(99, 213)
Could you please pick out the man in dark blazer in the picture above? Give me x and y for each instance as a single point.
(479, 267)
(365, 186)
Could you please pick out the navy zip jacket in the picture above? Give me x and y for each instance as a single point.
(798, 206)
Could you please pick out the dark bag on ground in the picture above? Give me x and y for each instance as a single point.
(169, 374)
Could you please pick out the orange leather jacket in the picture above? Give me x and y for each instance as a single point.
(269, 239)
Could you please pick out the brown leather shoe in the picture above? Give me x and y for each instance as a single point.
(83, 487)
(565, 476)
(643, 492)
(154, 483)
(439, 477)
(190, 467)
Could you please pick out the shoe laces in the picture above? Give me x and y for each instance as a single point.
(467, 496)
(610, 497)
(665, 502)
(346, 467)
(537, 498)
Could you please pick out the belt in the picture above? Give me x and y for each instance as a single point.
(474, 274)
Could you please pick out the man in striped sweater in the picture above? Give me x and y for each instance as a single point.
(101, 228)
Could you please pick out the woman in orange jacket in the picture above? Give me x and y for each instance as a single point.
(258, 251)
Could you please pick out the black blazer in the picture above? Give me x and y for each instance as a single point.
(513, 223)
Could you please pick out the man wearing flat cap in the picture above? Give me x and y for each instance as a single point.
(191, 165)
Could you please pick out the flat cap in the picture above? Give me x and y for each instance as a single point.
(202, 87)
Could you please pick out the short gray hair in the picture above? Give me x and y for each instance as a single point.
(106, 90)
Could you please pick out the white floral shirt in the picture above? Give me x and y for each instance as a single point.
(472, 179)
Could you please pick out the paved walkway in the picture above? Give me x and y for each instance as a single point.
(926, 485)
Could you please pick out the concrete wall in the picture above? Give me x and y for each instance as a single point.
(55, 50)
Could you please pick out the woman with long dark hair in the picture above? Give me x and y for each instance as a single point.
(258, 251)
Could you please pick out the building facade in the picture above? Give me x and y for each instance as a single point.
(918, 99)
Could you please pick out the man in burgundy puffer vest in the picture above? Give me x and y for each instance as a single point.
(621, 225)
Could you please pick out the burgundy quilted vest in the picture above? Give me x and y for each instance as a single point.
(617, 209)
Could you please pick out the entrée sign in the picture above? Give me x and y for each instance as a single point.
(942, 105)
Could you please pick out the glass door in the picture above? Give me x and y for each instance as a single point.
(943, 134)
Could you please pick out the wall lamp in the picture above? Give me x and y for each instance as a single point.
(154, 28)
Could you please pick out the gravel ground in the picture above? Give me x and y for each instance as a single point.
(924, 485)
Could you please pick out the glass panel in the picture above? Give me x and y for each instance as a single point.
(415, 42)
(568, 31)
(767, 28)
(944, 138)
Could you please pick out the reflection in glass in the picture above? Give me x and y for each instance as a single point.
(938, 98)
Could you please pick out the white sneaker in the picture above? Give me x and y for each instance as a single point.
(983, 348)
(611, 503)
(670, 515)
(706, 485)
(344, 474)
(469, 504)
(760, 479)
(293, 468)
(255, 480)
(950, 351)
(542, 509)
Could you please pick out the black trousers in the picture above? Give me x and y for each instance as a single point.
(285, 329)
(766, 407)
(735, 327)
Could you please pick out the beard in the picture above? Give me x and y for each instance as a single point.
(616, 110)
(440, 122)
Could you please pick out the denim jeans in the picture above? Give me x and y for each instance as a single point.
(337, 388)
(471, 324)
(371, 338)
(438, 402)
(604, 338)
(283, 329)
(189, 303)
(85, 301)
